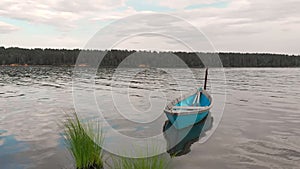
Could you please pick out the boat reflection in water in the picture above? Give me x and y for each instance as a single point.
(179, 141)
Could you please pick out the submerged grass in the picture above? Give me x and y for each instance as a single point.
(155, 162)
(82, 140)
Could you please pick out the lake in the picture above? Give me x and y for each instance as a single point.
(259, 128)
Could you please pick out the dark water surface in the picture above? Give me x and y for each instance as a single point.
(260, 128)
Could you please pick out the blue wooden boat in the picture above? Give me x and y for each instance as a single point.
(190, 109)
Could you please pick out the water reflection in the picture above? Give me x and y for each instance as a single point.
(9, 148)
(260, 129)
(179, 142)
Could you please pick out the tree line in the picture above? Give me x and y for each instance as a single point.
(132, 58)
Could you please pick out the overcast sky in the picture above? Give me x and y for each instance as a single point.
(231, 25)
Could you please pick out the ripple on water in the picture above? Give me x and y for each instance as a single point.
(264, 154)
(260, 128)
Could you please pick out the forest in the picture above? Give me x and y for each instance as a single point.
(131, 58)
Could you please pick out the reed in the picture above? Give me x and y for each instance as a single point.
(82, 141)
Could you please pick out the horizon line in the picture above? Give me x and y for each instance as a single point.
(147, 50)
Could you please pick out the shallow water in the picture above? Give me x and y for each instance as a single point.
(259, 127)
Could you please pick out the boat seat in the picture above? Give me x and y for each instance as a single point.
(189, 108)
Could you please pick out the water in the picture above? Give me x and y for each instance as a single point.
(259, 127)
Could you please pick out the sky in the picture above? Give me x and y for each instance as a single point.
(263, 26)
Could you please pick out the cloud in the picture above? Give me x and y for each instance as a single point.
(243, 22)
(180, 4)
(239, 18)
(63, 14)
(7, 28)
(238, 26)
(247, 26)
(87, 5)
(112, 15)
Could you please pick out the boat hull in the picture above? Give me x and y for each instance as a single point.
(181, 114)
(183, 121)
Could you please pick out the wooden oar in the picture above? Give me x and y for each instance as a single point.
(197, 98)
(205, 81)
(205, 84)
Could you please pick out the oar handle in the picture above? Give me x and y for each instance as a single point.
(205, 81)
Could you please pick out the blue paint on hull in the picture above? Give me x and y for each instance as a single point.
(183, 120)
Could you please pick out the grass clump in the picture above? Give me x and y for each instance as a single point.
(82, 140)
